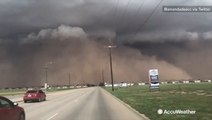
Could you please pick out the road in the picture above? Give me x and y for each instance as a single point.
(79, 104)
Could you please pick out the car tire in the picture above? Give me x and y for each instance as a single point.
(22, 116)
(39, 99)
(25, 101)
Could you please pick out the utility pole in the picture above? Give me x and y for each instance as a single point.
(103, 79)
(46, 76)
(46, 67)
(110, 46)
(69, 79)
(111, 67)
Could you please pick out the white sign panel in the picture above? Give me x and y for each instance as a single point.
(153, 72)
(154, 78)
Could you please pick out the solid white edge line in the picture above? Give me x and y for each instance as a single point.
(126, 105)
(52, 116)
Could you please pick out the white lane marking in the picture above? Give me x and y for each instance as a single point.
(52, 116)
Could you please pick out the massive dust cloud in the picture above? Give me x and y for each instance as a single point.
(70, 38)
(73, 52)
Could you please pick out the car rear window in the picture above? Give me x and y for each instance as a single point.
(32, 91)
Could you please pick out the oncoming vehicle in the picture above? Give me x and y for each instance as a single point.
(34, 95)
(10, 110)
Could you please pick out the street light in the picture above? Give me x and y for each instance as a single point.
(110, 46)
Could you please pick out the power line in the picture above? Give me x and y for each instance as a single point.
(125, 10)
(148, 18)
(100, 21)
(137, 12)
(139, 8)
(115, 14)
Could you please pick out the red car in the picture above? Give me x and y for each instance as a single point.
(10, 110)
(34, 95)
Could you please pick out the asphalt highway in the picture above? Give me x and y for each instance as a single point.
(80, 104)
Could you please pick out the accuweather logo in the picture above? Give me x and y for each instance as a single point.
(180, 112)
(160, 111)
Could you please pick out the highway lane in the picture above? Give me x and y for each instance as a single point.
(79, 104)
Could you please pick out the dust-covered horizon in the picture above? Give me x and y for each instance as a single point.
(72, 51)
(72, 35)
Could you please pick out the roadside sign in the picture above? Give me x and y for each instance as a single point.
(153, 79)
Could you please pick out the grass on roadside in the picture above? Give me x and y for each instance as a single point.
(11, 92)
(194, 97)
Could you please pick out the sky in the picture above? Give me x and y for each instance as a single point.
(73, 33)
